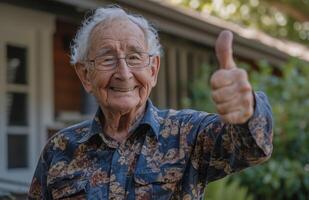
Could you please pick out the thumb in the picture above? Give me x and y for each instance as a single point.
(224, 50)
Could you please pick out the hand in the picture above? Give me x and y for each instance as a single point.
(231, 90)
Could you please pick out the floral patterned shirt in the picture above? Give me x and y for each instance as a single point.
(170, 155)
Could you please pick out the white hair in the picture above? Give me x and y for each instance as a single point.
(80, 45)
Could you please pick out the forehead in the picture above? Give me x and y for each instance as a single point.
(121, 31)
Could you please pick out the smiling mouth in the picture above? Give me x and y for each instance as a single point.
(117, 89)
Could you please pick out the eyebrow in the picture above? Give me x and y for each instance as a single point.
(104, 51)
(130, 48)
(135, 48)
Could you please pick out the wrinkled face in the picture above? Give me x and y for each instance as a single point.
(120, 89)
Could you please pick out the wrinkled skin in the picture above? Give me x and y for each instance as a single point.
(121, 93)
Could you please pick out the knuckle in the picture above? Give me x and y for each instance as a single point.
(245, 86)
(213, 80)
(214, 95)
(242, 74)
(217, 95)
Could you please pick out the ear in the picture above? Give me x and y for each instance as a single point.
(155, 66)
(84, 75)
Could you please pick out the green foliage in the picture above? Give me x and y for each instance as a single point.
(279, 18)
(286, 174)
(227, 190)
(200, 96)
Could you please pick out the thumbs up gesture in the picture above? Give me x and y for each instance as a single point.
(231, 90)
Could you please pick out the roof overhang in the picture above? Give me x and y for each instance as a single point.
(190, 25)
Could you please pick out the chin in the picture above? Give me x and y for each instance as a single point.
(123, 105)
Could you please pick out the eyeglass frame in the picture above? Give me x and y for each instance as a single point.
(93, 61)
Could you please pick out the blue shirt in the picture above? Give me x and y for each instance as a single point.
(170, 155)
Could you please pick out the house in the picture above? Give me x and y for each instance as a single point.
(40, 93)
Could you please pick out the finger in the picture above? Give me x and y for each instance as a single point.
(247, 102)
(221, 78)
(229, 106)
(238, 116)
(244, 86)
(224, 50)
(225, 94)
(240, 102)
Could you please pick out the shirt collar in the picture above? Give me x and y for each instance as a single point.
(150, 118)
(95, 127)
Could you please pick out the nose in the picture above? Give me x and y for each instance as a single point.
(123, 72)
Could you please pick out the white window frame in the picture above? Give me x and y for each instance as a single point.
(34, 30)
(22, 39)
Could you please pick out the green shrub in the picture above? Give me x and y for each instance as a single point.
(286, 174)
(227, 190)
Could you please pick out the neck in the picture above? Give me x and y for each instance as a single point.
(117, 124)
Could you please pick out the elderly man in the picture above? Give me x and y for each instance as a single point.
(133, 150)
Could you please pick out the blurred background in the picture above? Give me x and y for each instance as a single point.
(40, 93)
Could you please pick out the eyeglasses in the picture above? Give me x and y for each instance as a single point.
(135, 61)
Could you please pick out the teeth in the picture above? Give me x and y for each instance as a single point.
(122, 89)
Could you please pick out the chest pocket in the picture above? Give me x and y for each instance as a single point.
(157, 185)
(69, 188)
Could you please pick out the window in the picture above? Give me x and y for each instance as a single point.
(17, 105)
(26, 101)
(17, 111)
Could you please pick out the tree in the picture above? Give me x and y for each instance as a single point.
(285, 19)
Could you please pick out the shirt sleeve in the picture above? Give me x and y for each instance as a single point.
(38, 188)
(224, 148)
